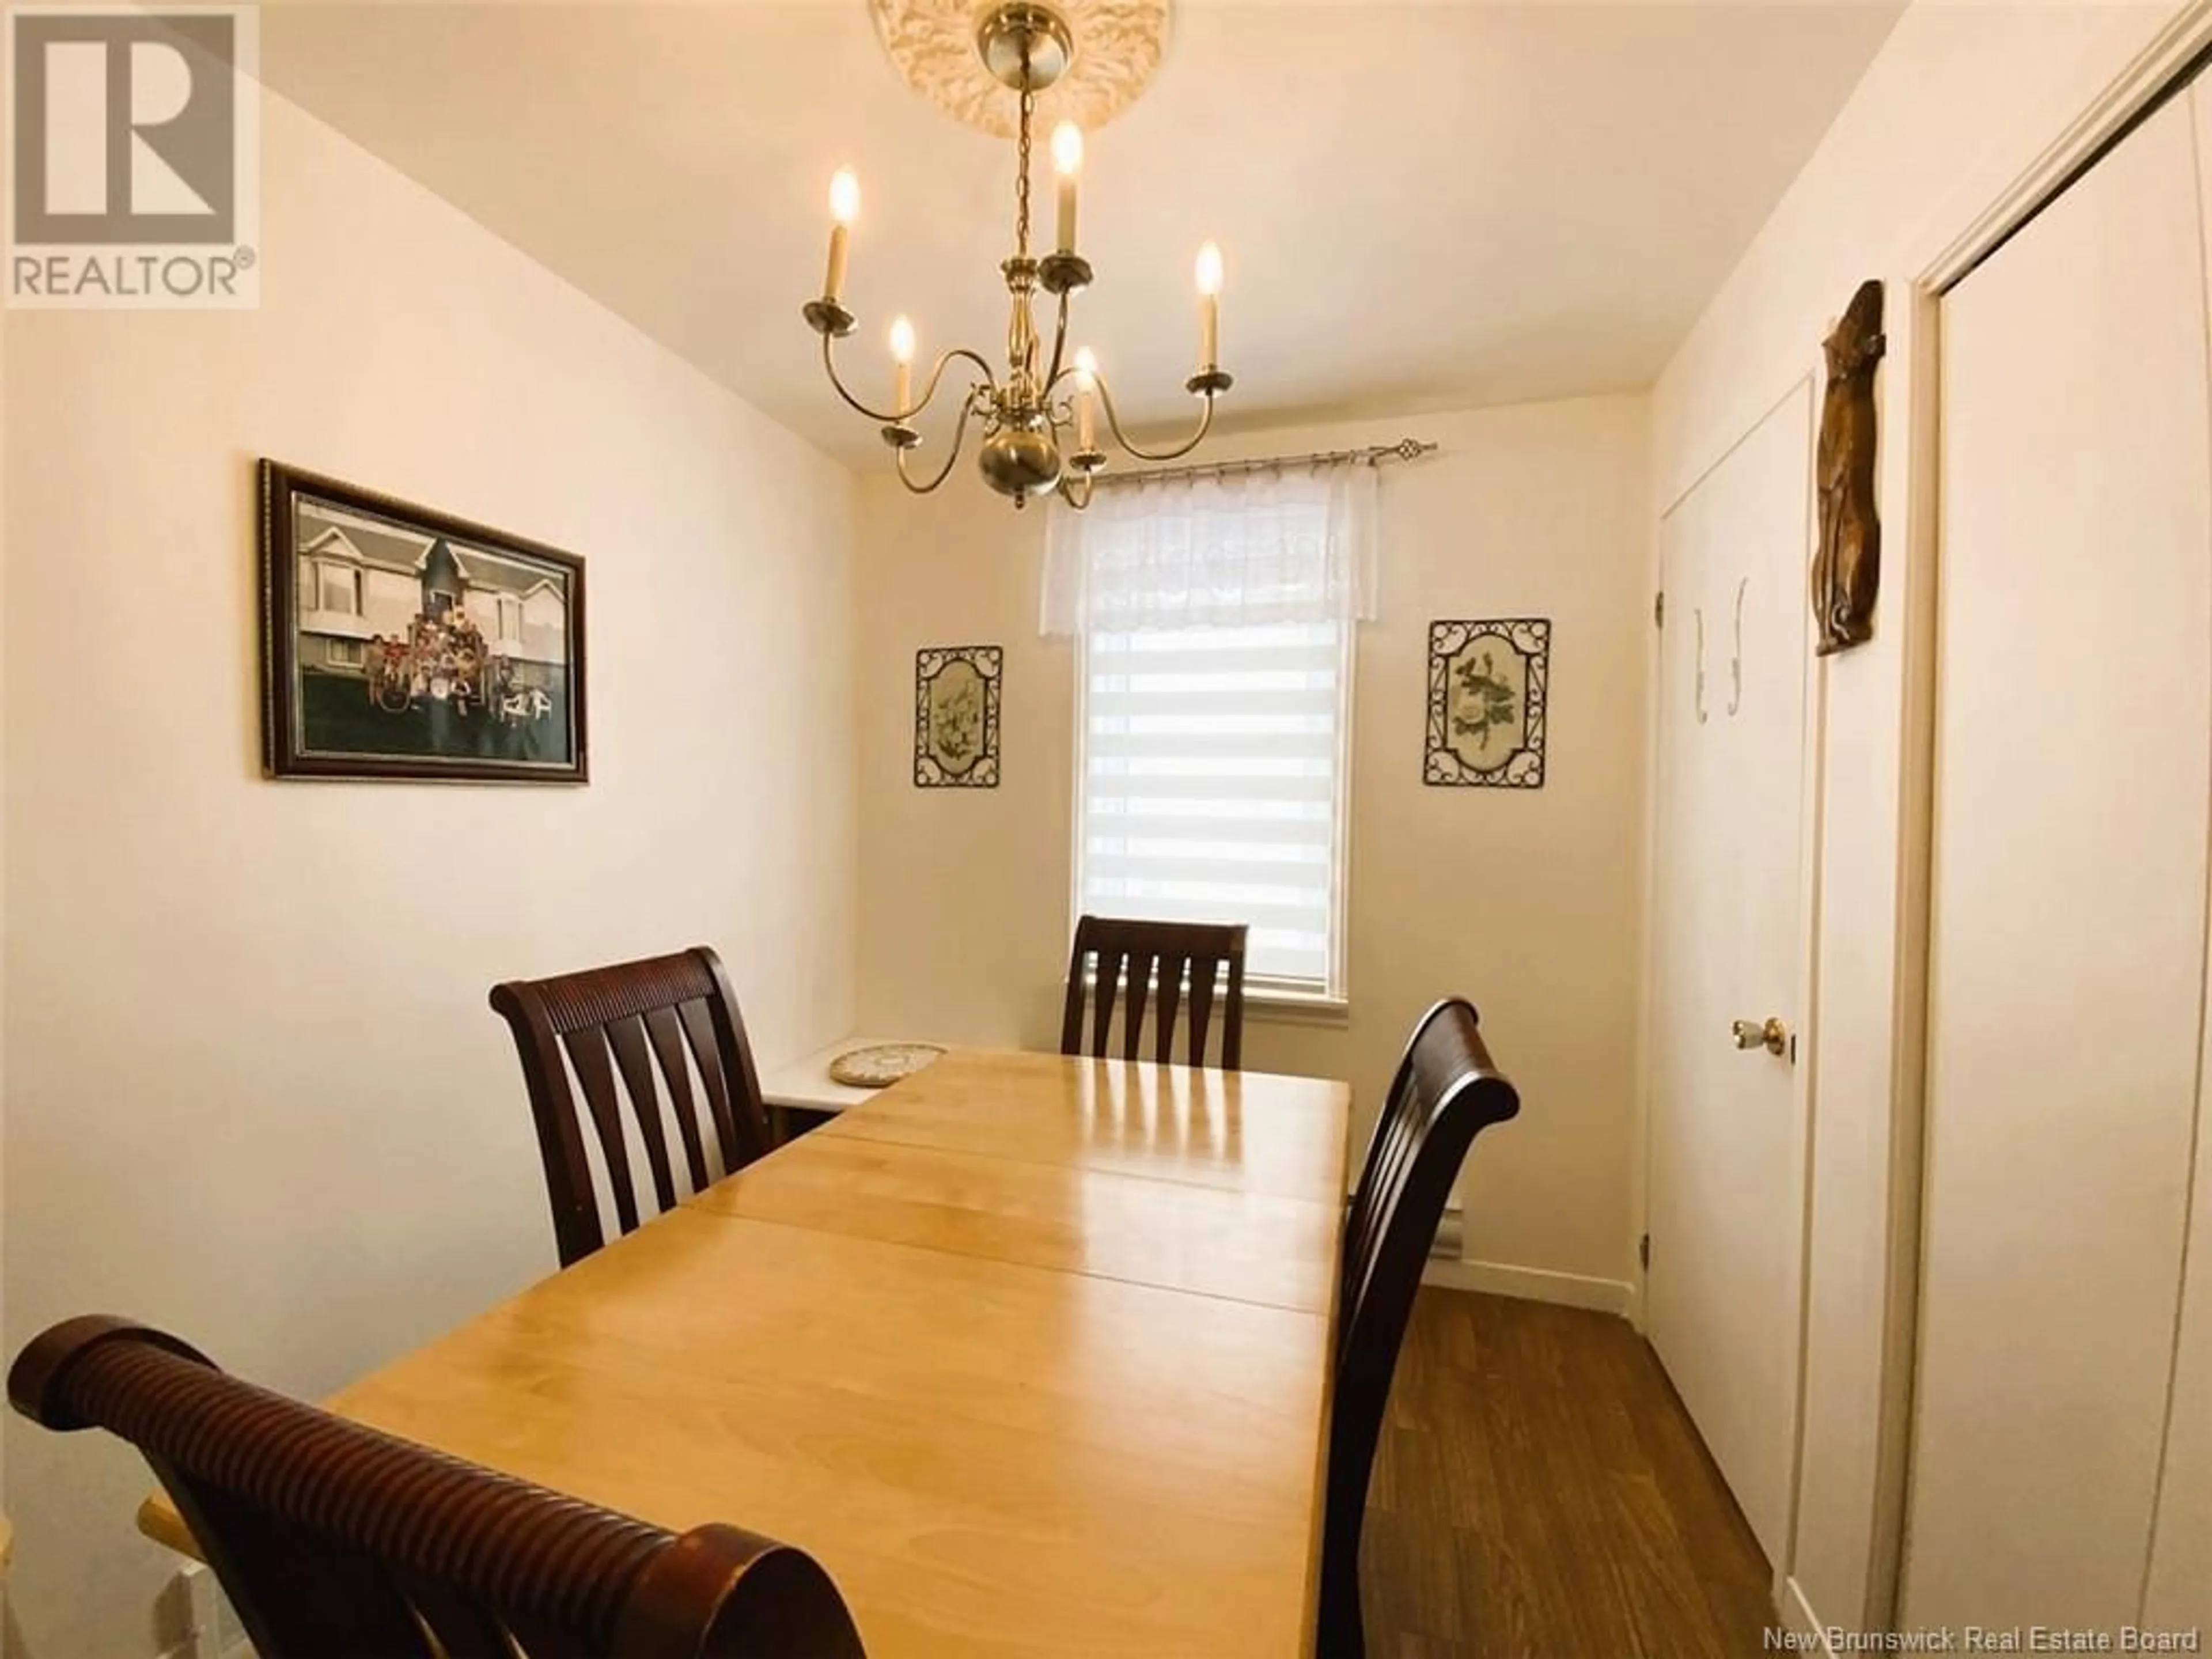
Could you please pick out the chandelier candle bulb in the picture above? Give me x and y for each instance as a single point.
(902, 356)
(1067, 161)
(1209, 306)
(844, 208)
(1086, 416)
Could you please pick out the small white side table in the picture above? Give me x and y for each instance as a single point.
(800, 1095)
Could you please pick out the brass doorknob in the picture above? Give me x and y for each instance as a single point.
(1770, 1033)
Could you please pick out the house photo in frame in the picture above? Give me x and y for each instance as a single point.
(1488, 685)
(401, 642)
(955, 716)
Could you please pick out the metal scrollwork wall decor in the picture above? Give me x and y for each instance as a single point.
(1847, 568)
(1489, 683)
(955, 716)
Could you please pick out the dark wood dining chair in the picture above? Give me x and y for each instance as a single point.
(1112, 951)
(1447, 1092)
(613, 1024)
(336, 1542)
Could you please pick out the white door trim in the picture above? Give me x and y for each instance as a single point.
(2186, 38)
(1914, 359)
(1804, 1094)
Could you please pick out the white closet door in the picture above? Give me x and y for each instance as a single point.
(1723, 1186)
(2068, 907)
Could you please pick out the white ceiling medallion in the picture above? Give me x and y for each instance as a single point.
(1117, 45)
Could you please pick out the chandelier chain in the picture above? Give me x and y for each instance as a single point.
(1022, 179)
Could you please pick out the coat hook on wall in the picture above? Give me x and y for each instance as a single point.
(1697, 615)
(1735, 662)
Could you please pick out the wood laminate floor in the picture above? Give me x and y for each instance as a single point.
(1540, 1493)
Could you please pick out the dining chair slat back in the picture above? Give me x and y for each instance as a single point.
(1446, 1092)
(334, 1540)
(613, 1029)
(1153, 960)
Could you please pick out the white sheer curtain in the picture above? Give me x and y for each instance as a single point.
(1248, 551)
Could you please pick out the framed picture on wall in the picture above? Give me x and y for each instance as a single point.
(1489, 683)
(955, 716)
(400, 642)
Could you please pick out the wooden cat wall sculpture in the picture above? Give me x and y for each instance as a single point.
(1847, 568)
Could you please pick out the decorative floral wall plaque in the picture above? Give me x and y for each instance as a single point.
(955, 716)
(1488, 682)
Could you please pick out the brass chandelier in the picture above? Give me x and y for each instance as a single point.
(1044, 403)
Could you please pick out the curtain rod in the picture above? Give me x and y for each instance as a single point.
(1405, 449)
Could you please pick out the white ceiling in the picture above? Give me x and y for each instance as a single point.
(1421, 206)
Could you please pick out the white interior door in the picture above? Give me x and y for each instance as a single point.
(2068, 914)
(1723, 1198)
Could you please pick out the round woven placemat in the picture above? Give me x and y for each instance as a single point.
(881, 1064)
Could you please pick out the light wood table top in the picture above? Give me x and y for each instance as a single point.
(1249, 1247)
(1052, 1382)
(1248, 1131)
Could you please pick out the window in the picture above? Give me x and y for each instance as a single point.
(1216, 617)
(344, 653)
(1212, 788)
(510, 619)
(341, 588)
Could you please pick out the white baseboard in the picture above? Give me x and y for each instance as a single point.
(1798, 1619)
(1612, 1296)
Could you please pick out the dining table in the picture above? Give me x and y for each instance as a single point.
(1032, 1353)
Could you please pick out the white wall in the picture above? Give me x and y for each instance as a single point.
(254, 1092)
(1961, 101)
(4, 1614)
(1526, 902)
